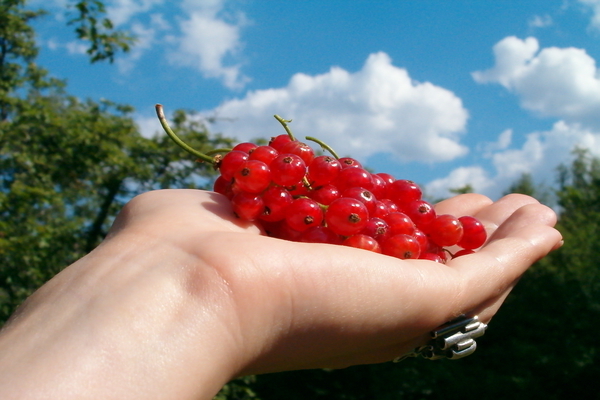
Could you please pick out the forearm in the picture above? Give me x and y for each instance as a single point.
(156, 334)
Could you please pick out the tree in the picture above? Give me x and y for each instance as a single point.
(526, 185)
(92, 26)
(68, 165)
(468, 188)
(18, 70)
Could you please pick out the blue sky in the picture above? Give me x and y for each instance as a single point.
(445, 93)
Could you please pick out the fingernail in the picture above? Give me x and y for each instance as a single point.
(559, 244)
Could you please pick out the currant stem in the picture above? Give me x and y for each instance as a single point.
(306, 182)
(218, 151)
(163, 121)
(284, 123)
(324, 146)
(323, 207)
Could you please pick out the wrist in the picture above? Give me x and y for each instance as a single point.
(142, 323)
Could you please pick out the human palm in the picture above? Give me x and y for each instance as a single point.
(183, 289)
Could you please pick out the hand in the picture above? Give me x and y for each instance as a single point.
(181, 297)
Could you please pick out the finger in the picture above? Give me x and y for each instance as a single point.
(494, 215)
(530, 217)
(527, 215)
(464, 204)
(490, 274)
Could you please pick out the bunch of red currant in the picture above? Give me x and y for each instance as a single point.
(298, 195)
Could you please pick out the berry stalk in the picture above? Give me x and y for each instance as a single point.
(284, 123)
(323, 145)
(163, 121)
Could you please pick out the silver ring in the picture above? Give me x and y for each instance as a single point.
(453, 340)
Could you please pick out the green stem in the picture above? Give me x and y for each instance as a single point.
(285, 123)
(218, 151)
(172, 135)
(324, 146)
(306, 183)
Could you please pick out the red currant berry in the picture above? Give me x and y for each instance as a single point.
(303, 213)
(298, 190)
(276, 200)
(223, 186)
(253, 176)
(399, 223)
(422, 238)
(322, 170)
(247, 206)
(288, 169)
(362, 195)
(265, 154)
(246, 147)
(421, 212)
(286, 232)
(380, 210)
(346, 216)
(403, 192)
(320, 234)
(348, 162)
(361, 241)
(300, 149)
(435, 249)
(353, 177)
(445, 230)
(325, 194)
(474, 235)
(401, 246)
(463, 252)
(231, 162)
(392, 207)
(278, 142)
(432, 257)
(377, 228)
(379, 186)
(387, 178)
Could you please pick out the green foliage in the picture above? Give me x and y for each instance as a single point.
(526, 185)
(239, 389)
(17, 54)
(91, 26)
(67, 166)
(468, 188)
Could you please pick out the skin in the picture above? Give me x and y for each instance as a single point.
(182, 297)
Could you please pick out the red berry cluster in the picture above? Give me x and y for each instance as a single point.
(297, 195)
(300, 196)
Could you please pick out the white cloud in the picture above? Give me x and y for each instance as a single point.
(475, 176)
(540, 21)
(209, 39)
(594, 6)
(378, 109)
(146, 37)
(540, 155)
(206, 37)
(122, 11)
(504, 140)
(557, 82)
(74, 47)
